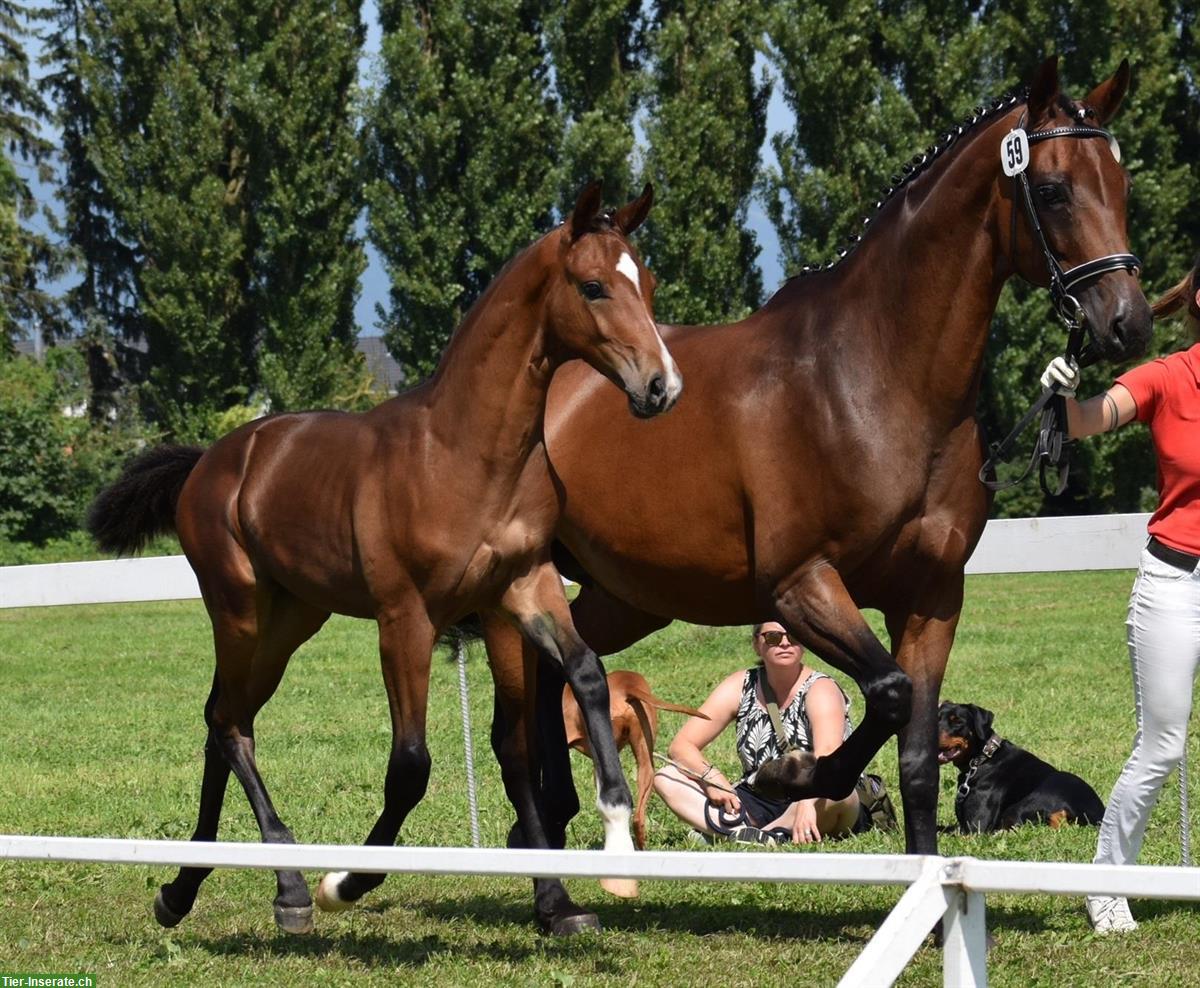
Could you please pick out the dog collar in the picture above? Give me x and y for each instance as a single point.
(990, 747)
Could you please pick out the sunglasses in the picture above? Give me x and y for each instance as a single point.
(774, 639)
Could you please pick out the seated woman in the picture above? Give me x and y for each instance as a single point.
(814, 715)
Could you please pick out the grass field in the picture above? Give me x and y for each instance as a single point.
(101, 735)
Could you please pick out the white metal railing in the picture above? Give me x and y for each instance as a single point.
(947, 889)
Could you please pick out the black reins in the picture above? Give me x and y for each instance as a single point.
(1051, 451)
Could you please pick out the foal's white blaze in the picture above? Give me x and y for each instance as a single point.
(674, 380)
(628, 267)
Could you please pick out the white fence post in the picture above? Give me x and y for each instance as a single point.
(964, 934)
(903, 932)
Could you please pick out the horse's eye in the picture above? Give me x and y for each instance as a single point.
(592, 290)
(1052, 194)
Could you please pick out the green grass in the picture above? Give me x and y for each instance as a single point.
(101, 734)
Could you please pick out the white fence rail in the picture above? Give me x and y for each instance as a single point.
(947, 889)
(1011, 545)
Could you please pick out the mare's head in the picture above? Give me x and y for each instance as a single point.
(1080, 192)
(600, 305)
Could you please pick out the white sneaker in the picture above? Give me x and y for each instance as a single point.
(1109, 914)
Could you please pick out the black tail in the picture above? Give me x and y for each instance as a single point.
(141, 502)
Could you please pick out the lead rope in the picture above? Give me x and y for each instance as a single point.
(460, 659)
(690, 774)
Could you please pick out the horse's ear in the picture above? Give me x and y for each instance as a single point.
(982, 722)
(1042, 92)
(632, 215)
(1106, 98)
(586, 208)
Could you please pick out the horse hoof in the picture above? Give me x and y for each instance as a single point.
(164, 914)
(568, 926)
(622, 888)
(294, 919)
(328, 899)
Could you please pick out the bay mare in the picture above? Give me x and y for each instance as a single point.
(433, 505)
(825, 458)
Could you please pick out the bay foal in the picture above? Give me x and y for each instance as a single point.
(435, 504)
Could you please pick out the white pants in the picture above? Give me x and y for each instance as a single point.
(1163, 629)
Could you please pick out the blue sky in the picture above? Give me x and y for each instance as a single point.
(374, 279)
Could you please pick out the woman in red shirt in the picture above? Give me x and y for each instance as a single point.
(1163, 627)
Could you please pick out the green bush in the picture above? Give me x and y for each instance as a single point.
(53, 458)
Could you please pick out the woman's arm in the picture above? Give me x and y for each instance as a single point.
(826, 709)
(687, 747)
(1100, 414)
(1103, 413)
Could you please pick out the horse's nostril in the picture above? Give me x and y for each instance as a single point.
(656, 391)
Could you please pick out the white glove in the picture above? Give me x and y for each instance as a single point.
(1064, 373)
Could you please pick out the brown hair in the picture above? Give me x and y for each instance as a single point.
(1183, 296)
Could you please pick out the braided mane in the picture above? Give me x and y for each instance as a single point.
(918, 165)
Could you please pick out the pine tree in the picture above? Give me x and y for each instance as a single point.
(95, 302)
(706, 123)
(462, 151)
(28, 257)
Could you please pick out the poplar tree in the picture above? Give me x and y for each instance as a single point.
(221, 218)
(706, 120)
(872, 82)
(599, 50)
(301, 197)
(463, 141)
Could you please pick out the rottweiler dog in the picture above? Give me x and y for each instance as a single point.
(1001, 785)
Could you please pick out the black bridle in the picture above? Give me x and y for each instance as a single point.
(1051, 449)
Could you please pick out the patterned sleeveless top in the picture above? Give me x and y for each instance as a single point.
(756, 741)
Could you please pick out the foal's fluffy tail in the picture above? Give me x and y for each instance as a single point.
(140, 503)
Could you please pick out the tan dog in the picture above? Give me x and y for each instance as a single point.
(634, 711)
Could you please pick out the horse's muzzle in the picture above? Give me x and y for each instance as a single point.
(658, 397)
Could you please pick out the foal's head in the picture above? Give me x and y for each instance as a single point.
(600, 304)
(1080, 192)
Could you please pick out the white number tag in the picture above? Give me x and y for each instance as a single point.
(1114, 147)
(1014, 152)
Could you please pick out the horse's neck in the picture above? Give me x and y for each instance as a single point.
(489, 391)
(939, 268)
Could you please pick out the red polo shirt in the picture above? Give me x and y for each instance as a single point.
(1167, 393)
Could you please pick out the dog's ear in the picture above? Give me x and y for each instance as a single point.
(981, 722)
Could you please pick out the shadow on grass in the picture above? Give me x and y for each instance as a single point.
(371, 950)
(486, 927)
(699, 919)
